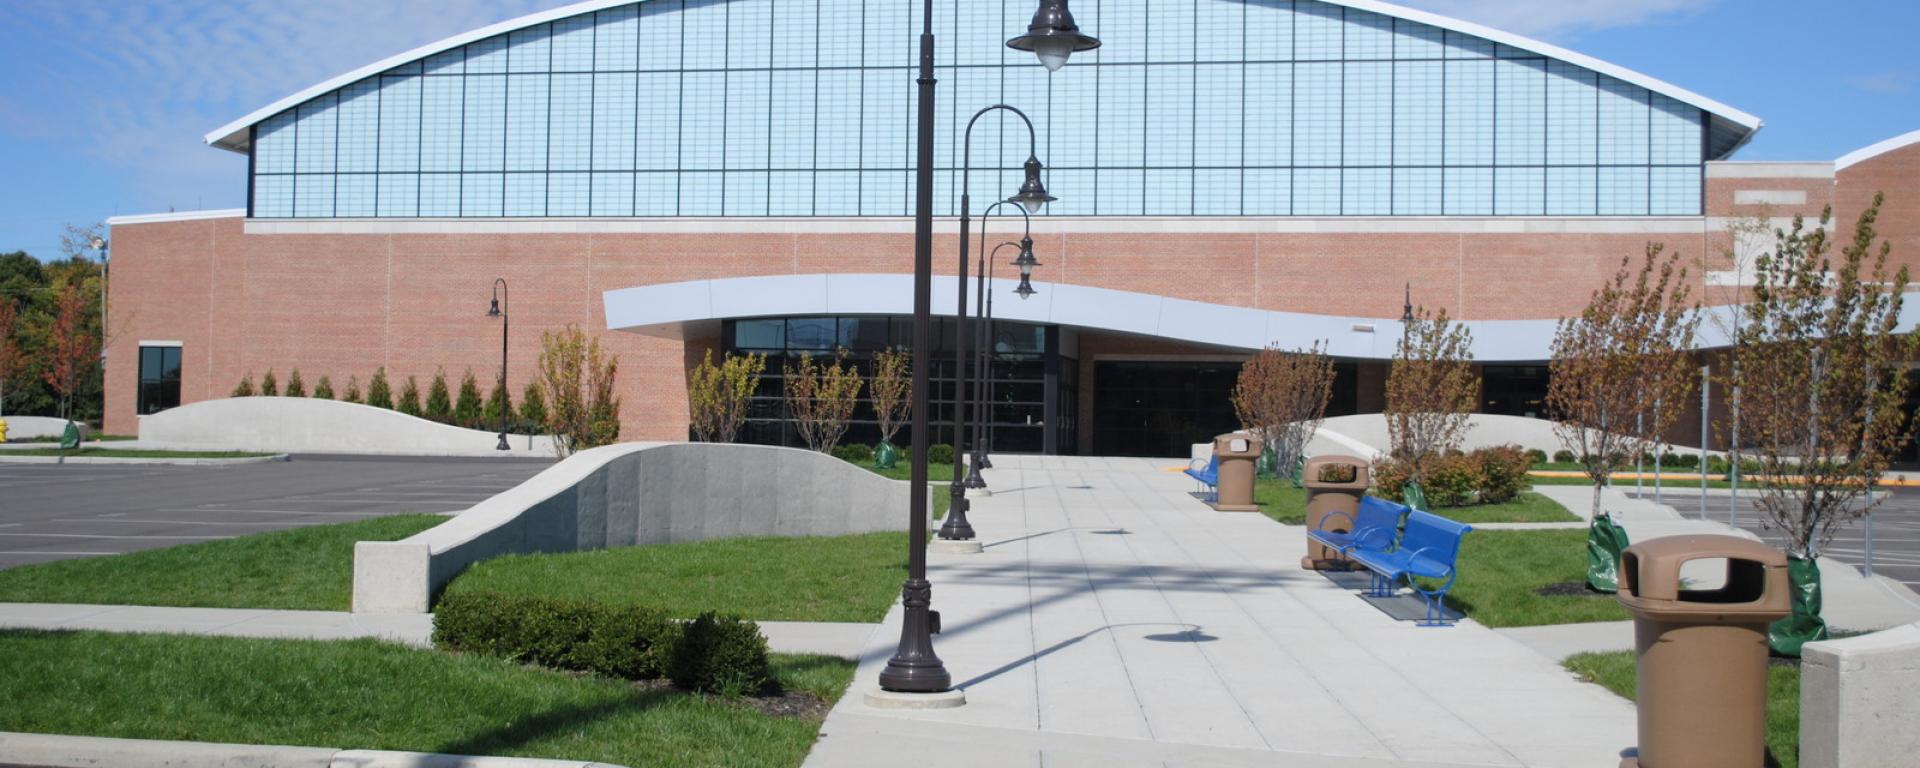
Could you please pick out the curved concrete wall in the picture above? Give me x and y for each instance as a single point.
(20, 427)
(1366, 435)
(630, 494)
(306, 425)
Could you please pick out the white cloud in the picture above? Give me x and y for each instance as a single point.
(1560, 18)
(1884, 82)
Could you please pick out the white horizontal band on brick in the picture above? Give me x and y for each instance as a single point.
(1737, 169)
(161, 218)
(1769, 197)
(663, 310)
(1044, 225)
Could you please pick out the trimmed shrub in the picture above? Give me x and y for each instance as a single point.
(856, 453)
(723, 655)
(1390, 477)
(466, 409)
(295, 386)
(269, 386)
(1564, 456)
(439, 401)
(630, 642)
(1503, 473)
(1536, 456)
(533, 408)
(409, 402)
(1451, 480)
(940, 454)
(379, 392)
(499, 404)
(353, 390)
(245, 387)
(323, 389)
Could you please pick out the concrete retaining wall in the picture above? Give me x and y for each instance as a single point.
(629, 494)
(1858, 697)
(20, 427)
(306, 425)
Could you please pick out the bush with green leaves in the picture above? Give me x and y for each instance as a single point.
(533, 407)
(1564, 456)
(1536, 456)
(244, 388)
(467, 407)
(379, 392)
(439, 406)
(499, 407)
(1390, 478)
(854, 452)
(296, 387)
(1452, 480)
(353, 394)
(409, 402)
(1503, 473)
(269, 386)
(724, 655)
(940, 454)
(624, 641)
(323, 389)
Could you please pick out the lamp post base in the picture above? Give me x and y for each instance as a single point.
(881, 698)
(954, 547)
(979, 493)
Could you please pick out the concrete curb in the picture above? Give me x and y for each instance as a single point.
(53, 751)
(183, 462)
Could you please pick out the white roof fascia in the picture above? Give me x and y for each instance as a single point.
(161, 218)
(231, 135)
(1867, 153)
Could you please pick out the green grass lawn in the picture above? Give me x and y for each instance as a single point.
(124, 453)
(370, 695)
(1615, 671)
(1280, 500)
(840, 578)
(303, 568)
(1500, 571)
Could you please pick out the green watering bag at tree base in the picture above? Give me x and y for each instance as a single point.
(70, 439)
(1804, 625)
(885, 456)
(1605, 542)
(1416, 498)
(1268, 467)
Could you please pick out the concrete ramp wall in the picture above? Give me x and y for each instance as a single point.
(22, 427)
(630, 494)
(307, 425)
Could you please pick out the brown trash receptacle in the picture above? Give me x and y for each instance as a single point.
(1334, 485)
(1238, 453)
(1701, 654)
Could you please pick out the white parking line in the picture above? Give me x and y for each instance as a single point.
(360, 501)
(300, 512)
(165, 522)
(105, 536)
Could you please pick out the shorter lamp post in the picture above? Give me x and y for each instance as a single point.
(499, 309)
(983, 430)
(983, 373)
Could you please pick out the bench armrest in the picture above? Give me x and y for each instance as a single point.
(1331, 515)
(1362, 537)
(1451, 572)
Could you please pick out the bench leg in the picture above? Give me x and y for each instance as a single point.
(1436, 609)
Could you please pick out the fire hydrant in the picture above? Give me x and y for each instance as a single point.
(3, 430)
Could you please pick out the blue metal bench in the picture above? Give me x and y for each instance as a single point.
(1429, 549)
(1210, 476)
(1375, 526)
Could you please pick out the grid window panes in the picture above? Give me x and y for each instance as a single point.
(804, 108)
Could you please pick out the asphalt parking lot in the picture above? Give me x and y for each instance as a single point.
(61, 511)
(1896, 530)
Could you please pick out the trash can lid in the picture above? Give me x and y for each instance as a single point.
(1756, 579)
(1238, 444)
(1310, 472)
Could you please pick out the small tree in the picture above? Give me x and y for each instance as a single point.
(244, 388)
(1282, 397)
(323, 389)
(1616, 359)
(295, 386)
(409, 402)
(468, 408)
(353, 389)
(891, 391)
(821, 397)
(1822, 375)
(11, 358)
(379, 392)
(579, 378)
(533, 406)
(718, 395)
(1431, 390)
(72, 351)
(439, 405)
(499, 404)
(269, 386)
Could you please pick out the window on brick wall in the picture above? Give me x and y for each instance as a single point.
(159, 378)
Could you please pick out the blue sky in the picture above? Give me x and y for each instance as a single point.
(104, 102)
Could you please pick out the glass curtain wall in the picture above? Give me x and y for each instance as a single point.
(794, 108)
(1017, 396)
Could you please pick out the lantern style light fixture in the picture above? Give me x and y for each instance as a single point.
(1033, 192)
(1053, 36)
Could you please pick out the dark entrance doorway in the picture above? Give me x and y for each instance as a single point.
(1160, 408)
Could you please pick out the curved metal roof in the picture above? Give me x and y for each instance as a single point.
(1729, 128)
(1875, 150)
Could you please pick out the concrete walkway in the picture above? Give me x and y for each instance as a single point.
(1114, 620)
(827, 638)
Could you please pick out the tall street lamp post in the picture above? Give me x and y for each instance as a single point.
(978, 460)
(915, 668)
(1032, 195)
(499, 309)
(99, 246)
(983, 426)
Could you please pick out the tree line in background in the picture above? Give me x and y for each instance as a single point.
(51, 332)
(573, 398)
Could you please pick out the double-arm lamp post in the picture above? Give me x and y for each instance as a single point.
(915, 668)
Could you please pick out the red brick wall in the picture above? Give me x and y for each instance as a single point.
(1897, 174)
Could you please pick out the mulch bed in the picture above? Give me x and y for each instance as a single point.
(796, 704)
(1570, 589)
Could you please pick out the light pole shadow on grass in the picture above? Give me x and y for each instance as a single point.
(533, 728)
